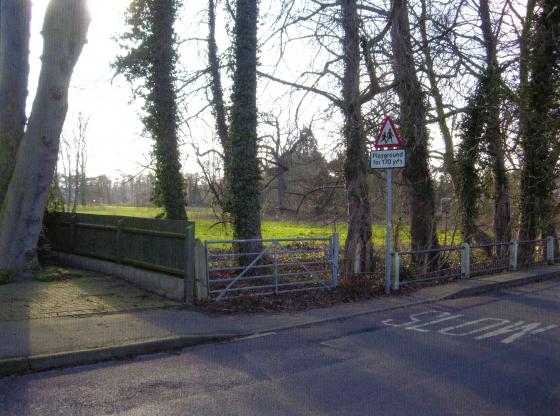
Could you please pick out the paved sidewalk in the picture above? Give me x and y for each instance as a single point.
(91, 293)
(38, 344)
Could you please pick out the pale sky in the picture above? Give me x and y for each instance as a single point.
(114, 142)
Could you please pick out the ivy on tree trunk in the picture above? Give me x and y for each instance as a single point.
(358, 248)
(414, 132)
(243, 169)
(150, 58)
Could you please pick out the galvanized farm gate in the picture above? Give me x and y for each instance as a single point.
(278, 266)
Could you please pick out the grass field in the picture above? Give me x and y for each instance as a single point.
(207, 228)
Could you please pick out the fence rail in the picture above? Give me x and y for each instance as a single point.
(279, 266)
(161, 245)
(413, 267)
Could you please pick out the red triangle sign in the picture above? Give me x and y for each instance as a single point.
(388, 138)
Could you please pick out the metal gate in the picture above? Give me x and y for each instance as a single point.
(280, 265)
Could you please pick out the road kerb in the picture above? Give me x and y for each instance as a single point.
(22, 365)
(494, 286)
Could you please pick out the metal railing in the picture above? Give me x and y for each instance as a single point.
(489, 258)
(278, 266)
(412, 267)
(426, 265)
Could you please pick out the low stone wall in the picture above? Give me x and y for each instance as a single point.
(165, 285)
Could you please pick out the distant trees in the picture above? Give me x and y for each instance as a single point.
(149, 65)
(64, 33)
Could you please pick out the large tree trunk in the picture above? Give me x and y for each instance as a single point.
(15, 18)
(493, 135)
(539, 124)
(64, 32)
(218, 106)
(414, 133)
(358, 248)
(244, 168)
(168, 163)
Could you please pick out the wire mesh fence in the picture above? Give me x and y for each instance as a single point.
(278, 266)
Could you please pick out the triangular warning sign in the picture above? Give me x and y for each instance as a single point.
(388, 138)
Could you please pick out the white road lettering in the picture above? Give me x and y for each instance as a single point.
(452, 330)
(445, 316)
(484, 328)
(414, 319)
(518, 329)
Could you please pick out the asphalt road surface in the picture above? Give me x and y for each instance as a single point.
(496, 354)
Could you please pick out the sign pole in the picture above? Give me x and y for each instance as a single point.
(388, 153)
(389, 175)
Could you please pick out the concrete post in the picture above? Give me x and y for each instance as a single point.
(550, 250)
(397, 271)
(190, 266)
(119, 242)
(200, 280)
(465, 260)
(335, 248)
(513, 248)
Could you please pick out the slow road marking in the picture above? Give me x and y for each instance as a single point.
(439, 322)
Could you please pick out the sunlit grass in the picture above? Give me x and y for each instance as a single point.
(208, 228)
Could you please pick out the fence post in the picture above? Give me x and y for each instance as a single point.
(513, 249)
(73, 221)
(334, 254)
(550, 250)
(118, 251)
(201, 274)
(465, 260)
(188, 283)
(397, 272)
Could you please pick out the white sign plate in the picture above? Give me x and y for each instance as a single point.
(387, 159)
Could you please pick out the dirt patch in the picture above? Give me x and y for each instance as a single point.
(356, 289)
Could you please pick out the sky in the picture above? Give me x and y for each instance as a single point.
(114, 132)
(115, 145)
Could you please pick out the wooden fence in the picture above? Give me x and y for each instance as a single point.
(162, 245)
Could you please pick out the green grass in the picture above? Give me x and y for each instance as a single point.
(207, 228)
(53, 274)
(6, 276)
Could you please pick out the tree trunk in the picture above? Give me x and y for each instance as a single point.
(218, 106)
(539, 124)
(493, 134)
(358, 248)
(168, 165)
(244, 168)
(64, 32)
(413, 130)
(15, 18)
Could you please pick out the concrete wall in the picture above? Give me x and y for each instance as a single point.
(168, 286)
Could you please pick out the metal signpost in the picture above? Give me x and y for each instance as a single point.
(388, 154)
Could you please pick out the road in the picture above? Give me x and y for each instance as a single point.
(496, 354)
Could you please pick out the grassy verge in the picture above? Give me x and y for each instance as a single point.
(6, 276)
(53, 274)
